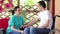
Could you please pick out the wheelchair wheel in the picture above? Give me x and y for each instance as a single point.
(54, 30)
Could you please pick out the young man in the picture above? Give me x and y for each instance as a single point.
(45, 18)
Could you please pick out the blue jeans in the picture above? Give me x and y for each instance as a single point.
(36, 31)
(15, 32)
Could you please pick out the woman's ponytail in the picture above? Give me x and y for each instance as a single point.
(13, 12)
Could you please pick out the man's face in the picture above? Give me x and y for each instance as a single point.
(39, 7)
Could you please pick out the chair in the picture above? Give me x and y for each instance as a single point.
(3, 25)
(53, 23)
(56, 29)
(1, 31)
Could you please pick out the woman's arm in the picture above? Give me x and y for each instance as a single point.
(12, 27)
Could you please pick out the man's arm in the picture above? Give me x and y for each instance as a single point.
(30, 23)
(33, 22)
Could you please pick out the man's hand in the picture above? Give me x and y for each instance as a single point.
(23, 26)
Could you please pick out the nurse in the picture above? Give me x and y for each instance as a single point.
(15, 22)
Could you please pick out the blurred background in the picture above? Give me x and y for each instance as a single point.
(29, 10)
(28, 7)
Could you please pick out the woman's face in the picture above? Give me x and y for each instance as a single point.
(18, 12)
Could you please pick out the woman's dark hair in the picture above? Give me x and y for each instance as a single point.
(13, 11)
(42, 3)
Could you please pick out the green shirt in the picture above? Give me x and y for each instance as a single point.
(15, 21)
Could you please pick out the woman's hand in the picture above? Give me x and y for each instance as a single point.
(22, 31)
